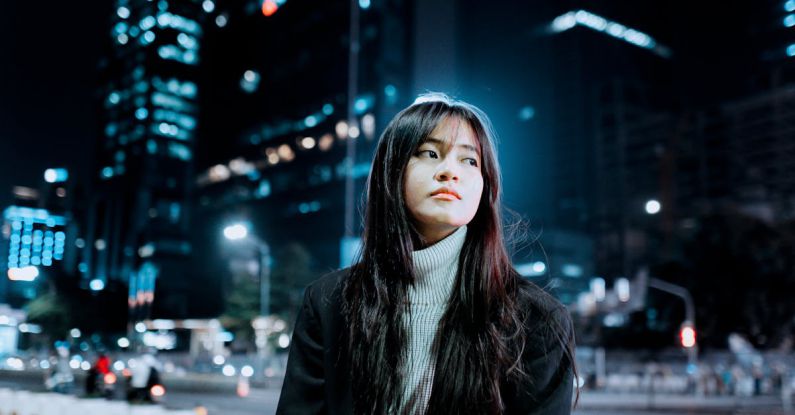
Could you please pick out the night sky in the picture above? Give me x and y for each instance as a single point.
(48, 113)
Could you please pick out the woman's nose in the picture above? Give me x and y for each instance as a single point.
(446, 172)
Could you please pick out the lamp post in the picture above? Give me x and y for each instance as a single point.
(688, 329)
(238, 232)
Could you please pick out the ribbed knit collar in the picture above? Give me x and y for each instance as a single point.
(435, 268)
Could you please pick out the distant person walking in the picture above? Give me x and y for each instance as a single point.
(432, 318)
(145, 374)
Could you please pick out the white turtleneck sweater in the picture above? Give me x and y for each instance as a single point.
(435, 271)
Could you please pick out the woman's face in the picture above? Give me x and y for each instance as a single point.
(443, 181)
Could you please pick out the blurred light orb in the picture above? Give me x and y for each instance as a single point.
(526, 113)
(310, 121)
(50, 175)
(284, 340)
(157, 391)
(368, 125)
(218, 360)
(326, 141)
(341, 129)
(28, 273)
(285, 152)
(75, 332)
(308, 143)
(579, 382)
(96, 285)
(208, 6)
(688, 336)
(221, 20)
(364, 4)
(250, 81)
(360, 105)
(123, 12)
(247, 371)
(235, 232)
(140, 327)
(229, 370)
(390, 90)
(653, 207)
(353, 131)
(269, 7)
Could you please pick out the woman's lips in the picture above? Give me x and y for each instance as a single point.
(444, 196)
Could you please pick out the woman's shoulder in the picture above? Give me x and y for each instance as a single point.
(542, 311)
(327, 289)
(330, 280)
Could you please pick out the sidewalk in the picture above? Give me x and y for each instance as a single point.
(626, 401)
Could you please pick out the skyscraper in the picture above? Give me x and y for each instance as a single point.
(295, 117)
(140, 217)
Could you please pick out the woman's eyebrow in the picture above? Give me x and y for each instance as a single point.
(440, 143)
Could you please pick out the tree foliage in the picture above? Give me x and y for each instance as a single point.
(52, 312)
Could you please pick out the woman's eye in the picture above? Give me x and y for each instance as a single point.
(472, 162)
(431, 153)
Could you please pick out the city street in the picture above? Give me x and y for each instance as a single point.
(263, 402)
(409, 204)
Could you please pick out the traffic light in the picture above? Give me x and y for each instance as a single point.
(687, 335)
(269, 7)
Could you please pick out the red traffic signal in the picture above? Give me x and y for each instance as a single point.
(269, 7)
(687, 335)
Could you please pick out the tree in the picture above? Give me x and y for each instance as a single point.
(292, 272)
(242, 306)
(52, 312)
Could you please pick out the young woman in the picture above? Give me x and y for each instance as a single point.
(433, 318)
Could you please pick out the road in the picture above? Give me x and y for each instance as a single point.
(263, 402)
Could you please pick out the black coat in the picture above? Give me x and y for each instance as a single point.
(318, 377)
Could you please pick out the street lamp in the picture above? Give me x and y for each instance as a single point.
(653, 207)
(238, 232)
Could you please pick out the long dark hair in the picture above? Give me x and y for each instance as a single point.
(483, 327)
